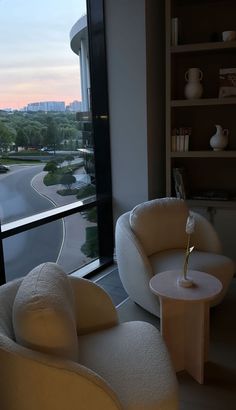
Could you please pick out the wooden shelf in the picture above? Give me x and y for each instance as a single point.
(206, 203)
(203, 102)
(204, 168)
(203, 154)
(200, 47)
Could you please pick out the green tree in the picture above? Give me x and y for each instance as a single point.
(6, 137)
(68, 180)
(21, 138)
(50, 167)
(51, 133)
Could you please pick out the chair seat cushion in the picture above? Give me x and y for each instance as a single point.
(133, 359)
(217, 265)
(43, 312)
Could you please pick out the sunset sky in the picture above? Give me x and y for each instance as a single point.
(37, 63)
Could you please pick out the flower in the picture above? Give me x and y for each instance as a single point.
(190, 226)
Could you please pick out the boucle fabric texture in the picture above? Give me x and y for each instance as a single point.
(160, 224)
(133, 359)
(43, 312)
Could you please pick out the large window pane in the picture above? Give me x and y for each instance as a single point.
(47, 134)
(42, 138)
(71, 242)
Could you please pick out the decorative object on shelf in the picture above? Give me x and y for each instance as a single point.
(180, 182)
(184, 281)
(174, 31)
(229, 35)
(220, 139)
(227, 82)
(193, 89)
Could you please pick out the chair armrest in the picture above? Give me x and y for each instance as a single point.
(94, 308)
(205, 237)
(52, 383)
(134, 267)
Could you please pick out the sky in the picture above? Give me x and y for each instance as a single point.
(36, 61)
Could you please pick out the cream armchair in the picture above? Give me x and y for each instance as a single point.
(62, 348)
(151, 239)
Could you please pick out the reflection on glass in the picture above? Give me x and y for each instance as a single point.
(71, 242)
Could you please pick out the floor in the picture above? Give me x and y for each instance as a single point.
(219, 389)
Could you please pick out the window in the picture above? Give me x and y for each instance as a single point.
(55, 188)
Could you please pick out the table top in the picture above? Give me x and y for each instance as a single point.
(205, 287)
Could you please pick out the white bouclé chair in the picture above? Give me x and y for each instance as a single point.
(152, 238)
(62, 348)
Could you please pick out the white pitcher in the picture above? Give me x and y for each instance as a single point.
(220, 139)
(193, 89)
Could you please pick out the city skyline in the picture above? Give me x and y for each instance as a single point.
(38, 63)
(31, 103)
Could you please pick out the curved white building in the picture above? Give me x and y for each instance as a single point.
(79, 45)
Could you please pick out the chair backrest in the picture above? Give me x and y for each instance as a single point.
(35, 378)
(160, 224)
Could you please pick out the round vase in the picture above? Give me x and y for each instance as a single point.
(185, 282)
(220, 139)
(193, 89)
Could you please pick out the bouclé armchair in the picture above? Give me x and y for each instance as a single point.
(62, 348)
(152, 238)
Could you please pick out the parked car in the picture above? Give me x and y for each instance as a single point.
(3, 168)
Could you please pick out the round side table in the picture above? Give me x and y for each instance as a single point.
(185, 317)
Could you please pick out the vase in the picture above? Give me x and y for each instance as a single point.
(185, 282)
(193, 89)
(220, 139)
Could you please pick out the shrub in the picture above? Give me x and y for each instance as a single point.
(85, 191)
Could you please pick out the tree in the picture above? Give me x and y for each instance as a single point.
(21, 138)
(68, 180)
(50, 167)
(6, 137)
(50, 138)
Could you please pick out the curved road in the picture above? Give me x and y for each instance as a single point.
(17, 200)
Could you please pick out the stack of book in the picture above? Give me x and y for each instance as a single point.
(180, 139)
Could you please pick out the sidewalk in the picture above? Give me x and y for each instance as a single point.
(70, 256)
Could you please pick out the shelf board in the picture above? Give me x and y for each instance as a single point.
(191, 48)
(203, 154)
(203, 102)
(206, 203)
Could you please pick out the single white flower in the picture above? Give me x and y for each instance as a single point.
(190, 225)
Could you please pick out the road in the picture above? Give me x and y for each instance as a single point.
(17, 200)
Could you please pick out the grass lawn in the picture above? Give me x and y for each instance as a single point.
(12, 161)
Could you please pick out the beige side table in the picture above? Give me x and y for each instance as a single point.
(185, 318)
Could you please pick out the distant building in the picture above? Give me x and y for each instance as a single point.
(74, 106)
(46, 106)
(79, 45)
(6, 109)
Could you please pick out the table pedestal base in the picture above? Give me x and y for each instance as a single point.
(185, 329)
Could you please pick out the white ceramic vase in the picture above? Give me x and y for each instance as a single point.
(193, 89)
(220, 139)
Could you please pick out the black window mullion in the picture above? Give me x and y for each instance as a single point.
(100, 118)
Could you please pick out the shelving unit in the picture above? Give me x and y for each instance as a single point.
(205, 170)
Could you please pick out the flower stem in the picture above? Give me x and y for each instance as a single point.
(186, 258)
